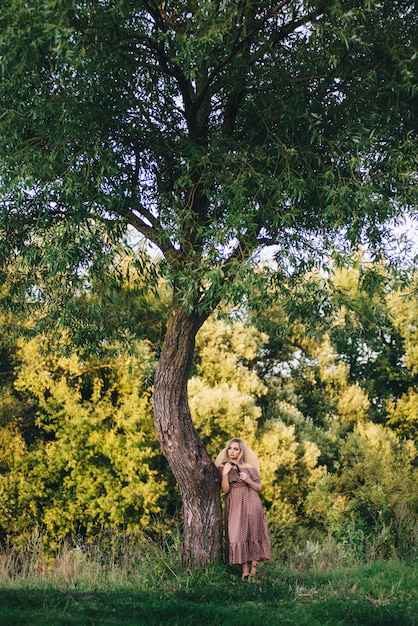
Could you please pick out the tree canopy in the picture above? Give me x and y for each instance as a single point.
(213, 128)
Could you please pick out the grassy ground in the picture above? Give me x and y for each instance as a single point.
(81, 591)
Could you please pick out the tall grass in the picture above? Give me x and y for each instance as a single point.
(118, 560)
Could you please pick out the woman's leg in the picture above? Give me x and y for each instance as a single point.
(245, 570)
(253, 570)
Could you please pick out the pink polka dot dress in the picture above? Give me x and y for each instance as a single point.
(245, 523)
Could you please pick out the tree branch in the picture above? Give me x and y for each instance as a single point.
(154, 233)
(240, 43)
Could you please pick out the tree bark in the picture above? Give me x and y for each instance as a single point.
(195, 472)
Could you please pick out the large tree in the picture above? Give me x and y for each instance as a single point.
(213, 129)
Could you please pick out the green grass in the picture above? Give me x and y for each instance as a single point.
(148, 588)
(380, 594)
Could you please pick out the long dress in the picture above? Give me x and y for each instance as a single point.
(246, 530)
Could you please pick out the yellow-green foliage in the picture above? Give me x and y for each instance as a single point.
(79, 453)
(349, 400)
(404, 310)
(289, 470)
(95, 463)
(224, 389)
(223, 397)
(403, 412)
(373, 486)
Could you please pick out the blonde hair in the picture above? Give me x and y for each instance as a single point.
(246, 455)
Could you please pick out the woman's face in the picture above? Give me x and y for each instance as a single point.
(234, 450)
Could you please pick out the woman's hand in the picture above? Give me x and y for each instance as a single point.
(246, 479)
(225, 480)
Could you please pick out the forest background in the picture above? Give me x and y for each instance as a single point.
(323, 385)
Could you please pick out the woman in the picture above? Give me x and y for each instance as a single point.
(247, 536)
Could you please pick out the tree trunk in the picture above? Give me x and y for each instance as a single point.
(195, 472)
